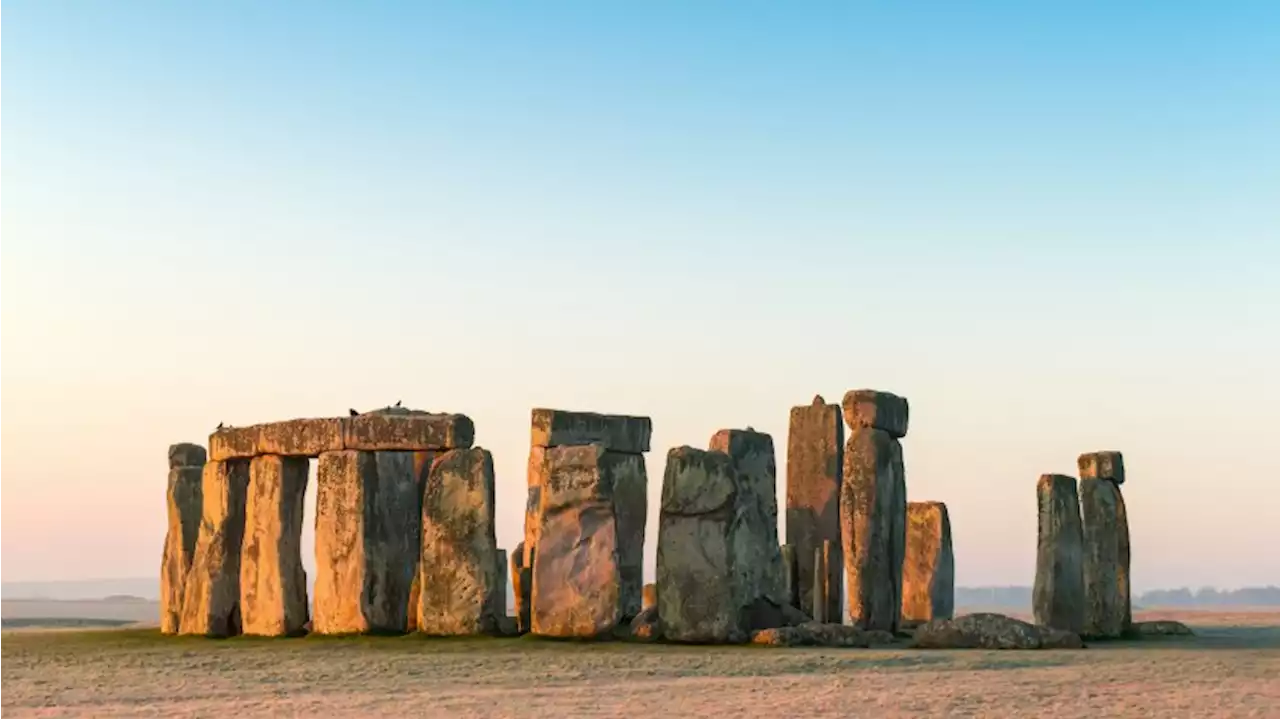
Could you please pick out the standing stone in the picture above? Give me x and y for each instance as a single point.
(697, 590)
(422, 463)
(868, 501)
(365, 555)
(630, 509)
(815, 471)
(929, 570)
(460, 571)
(898, 526)
(789, 575)
(757, 555)
(1058, 595)
(273, 584)
(576, 573)
(1106, 559)
(821, 589)
(537, 477)
(211, 598)
(183, 499)
(502, 570)
(521, 587)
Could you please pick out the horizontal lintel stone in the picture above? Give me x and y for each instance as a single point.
(617, 433)
(1102, 465)
(311, 437)
(880, 410)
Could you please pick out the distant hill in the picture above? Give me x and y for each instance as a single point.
(1020, 597)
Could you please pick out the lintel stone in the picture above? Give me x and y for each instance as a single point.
(411, 432)
(617, 433)
(1102, 465)
(880, 410)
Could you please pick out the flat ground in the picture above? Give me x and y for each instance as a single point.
(1231, 669)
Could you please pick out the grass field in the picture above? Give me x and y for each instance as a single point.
(1232, 668)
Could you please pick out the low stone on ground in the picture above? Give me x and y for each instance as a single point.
(991, 631)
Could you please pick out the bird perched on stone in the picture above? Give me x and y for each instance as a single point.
(353, 413)
(219, 425)
(397, 403)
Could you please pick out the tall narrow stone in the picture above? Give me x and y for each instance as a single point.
(183, 501)
(868, 502)
(422, 463)
(502, 570)
(365, 555)
(815, 456)
(789, 575)
(1106, 559)
(898, 524)
(459, 568)
(211, 598)
(1058, 595)
(630, 509)
(697, 590)
(757, 554)
(521, 587)
(537, 478)
(576, 574)
(821, 588)
(929, 570)
(273, 584)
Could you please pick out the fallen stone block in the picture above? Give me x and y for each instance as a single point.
(1058, 594)
(817, 634)
(757, 564)
(1106, 559)
(211, 599)
(815, 471)
(273, 584)
(868, 503)
(618, 433)
(879, 410)
(991, 631)
(183, 501)
(366, 513)
(929, 570)
(1102, 465)
(408, 432)
(1160, 628)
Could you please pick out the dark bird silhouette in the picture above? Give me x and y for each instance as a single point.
(397, 403)
(354, 413)
(219, 425)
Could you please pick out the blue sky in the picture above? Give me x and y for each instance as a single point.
(1052, 226)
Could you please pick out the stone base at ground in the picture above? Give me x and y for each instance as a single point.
(991, 631)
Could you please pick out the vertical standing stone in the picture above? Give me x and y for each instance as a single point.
(537, 477)
(867, 504)
(815, 447)
(502, 569)
(757, 556)
(630, 507)
(697, 590)
(789, 575)
(459, 563)
(522, 587)
(211, 598)
(821, 589)
(929, 570)
(898, 525)
(1108, 465)
(273, 584)
(1058, 595)
(365, 504)
(422, 463)
(183, 500)
(1106, 559)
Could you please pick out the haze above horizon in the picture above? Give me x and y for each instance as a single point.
(1053, 229)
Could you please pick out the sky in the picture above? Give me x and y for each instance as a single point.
(1053, 227)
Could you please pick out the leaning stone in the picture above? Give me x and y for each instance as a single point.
(185, 454)
(697, 593)
(929, 570)
(366, 508)
(1160, 628)
(521, 587)
(868, 501)
(1058, 594)
(1106, 559)
(273, 584)
(211, 597)
(881, 410)
(410, 432)
(1102, 465)
(649, 597)
(990, 631)
(757, 555)
(619, 433)
(815, 456)
(459, 569)
(576, 574)
(183, 500)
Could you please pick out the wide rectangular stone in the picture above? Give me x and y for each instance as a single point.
(757, 554)
(273, 584)
(815, 457)
(183, 502)
(869, 500)
(460, 571)
(1105, 530)
(290, 438)
(872, 408)
(1057, 597)
(619, 433)
(1102, 465)
(366, 520)
(211, 597)
(929, 568)
(408, 432)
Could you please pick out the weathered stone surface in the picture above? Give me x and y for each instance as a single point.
(501, 571)
(366, 504)
(818, 634)
(649, 597)
(630, 510)
(291, 438)
(789, 577)
(1058, 594)
(1102, 465)
(868, 502)
(211, 598)
(646, 626)
(183, 500)
(619, 433)
(185, 454)
(880, 410)
(991, 631)
(521, 587)
(929, 570)
(1160, 628)
(422, 462)
(576, 574)
(698, 599)
(821, 593)
(757, 555)
(898, 526)
(273, 584)
(460, 563)
(537, 478)
(1106, 559)
(408, 432)
(815, 456)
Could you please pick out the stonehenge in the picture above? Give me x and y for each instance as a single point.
(183, 501)
(815, 471)
(211, 595)
(273, 585)
(1057, 596)
(929, 569)
(1105, 530)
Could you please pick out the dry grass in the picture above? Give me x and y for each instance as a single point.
(1231, 669)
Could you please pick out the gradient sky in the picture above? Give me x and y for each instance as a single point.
(1054, 227)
